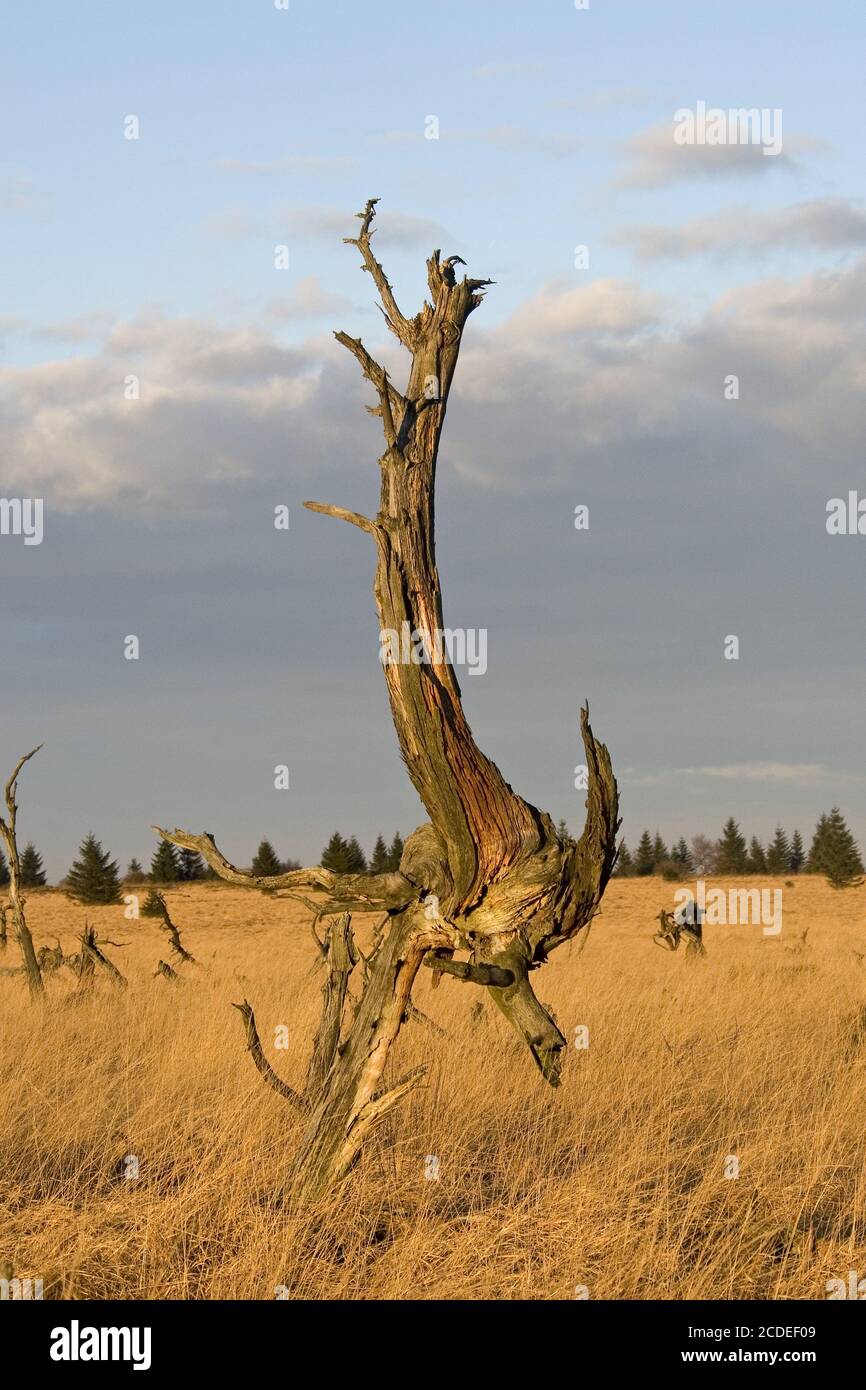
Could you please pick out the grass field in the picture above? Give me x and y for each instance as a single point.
(615, 1183)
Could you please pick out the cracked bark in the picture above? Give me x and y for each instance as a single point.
(487, 876)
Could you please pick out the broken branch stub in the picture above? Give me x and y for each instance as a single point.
(29, 958)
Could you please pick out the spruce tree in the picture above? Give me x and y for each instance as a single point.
(798, 853)
(190, 866)
(32, 875)
(379, 862)
(660, 850)
(335, 855)
(564, 833)
(93, 877)
(164, 866)
(680, 853)
(395, 852)
(357, 860)
(778, 853)
(733, 858)
(624, 862)
(266, 862)
(4, 870)
(834, 852)
(645, 860)
(134, 873)
(757, 861)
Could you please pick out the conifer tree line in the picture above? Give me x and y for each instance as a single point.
(834, 852)
(94, 876)
(347, 856)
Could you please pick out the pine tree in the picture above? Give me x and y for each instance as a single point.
(190, 866)
(4, 870)
(164, 866)
(733, 858)
(778, 853)
(798, 853)
(357, 860)
(379, 862)
(335, 855)
(32, 875)
(564, 833)
(624, 862)
(134, 873)
(680, 853)
(834, 852)
(757, 861)
(645, 860)
(660, 850)
(395, 853)
(266, 862)
(93, 877)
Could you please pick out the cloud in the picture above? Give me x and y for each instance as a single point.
(607, 306)
(822, 224)
(656, 160)
(82, 329)
(309, 299)
(598, 379)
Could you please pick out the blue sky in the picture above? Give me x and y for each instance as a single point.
(261, 127)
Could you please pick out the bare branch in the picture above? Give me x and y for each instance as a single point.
(372, 892)
(11, 789)
(400, 326)
(390, 399)
(263, 1066)
(354, 518)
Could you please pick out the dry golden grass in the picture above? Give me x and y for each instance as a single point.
(615, 1182)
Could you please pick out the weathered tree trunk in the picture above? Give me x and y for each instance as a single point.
(487, 876)
(22, 931)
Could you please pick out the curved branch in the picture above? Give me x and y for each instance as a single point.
(262, 1064)
(374, 892)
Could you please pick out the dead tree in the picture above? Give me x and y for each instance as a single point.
(22, 931)
(488, 876)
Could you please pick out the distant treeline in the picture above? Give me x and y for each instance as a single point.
(833, 852)
(95, 878)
